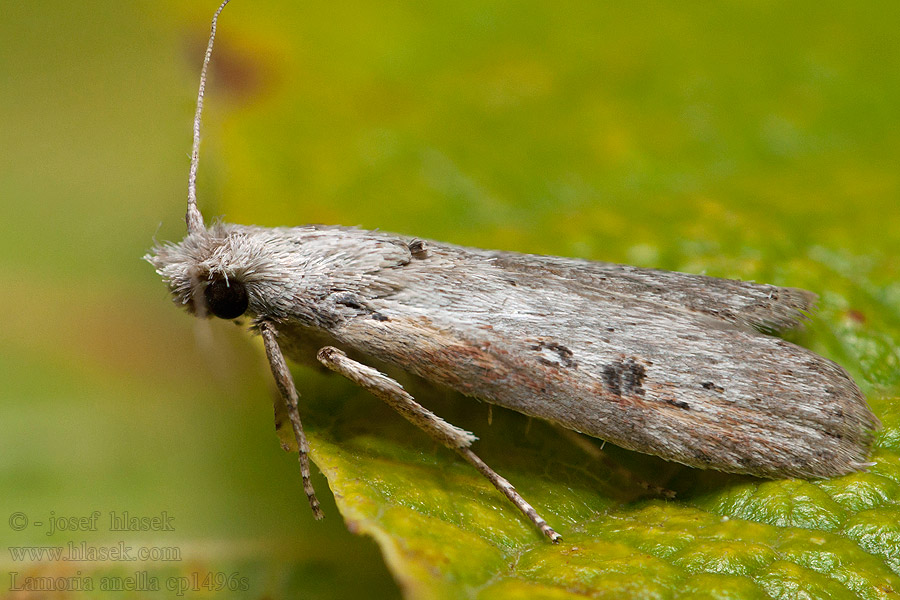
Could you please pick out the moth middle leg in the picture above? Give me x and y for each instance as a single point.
(449, 435)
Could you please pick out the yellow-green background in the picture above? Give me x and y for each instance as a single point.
(756, 140)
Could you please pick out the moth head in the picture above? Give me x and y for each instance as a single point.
(213, 272)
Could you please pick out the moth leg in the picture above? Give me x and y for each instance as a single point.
(449, 435)
(285, 383)
(590, 448)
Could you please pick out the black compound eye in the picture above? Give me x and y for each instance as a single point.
(226, 299)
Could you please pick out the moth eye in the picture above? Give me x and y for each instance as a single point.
(226, 299)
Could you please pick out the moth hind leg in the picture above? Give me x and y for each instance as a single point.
(449, 435)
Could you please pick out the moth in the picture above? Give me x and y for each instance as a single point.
(676, 365)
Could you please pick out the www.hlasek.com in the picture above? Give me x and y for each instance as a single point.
(82, 551)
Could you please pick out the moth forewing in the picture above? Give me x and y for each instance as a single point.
(643, 371)
(659, 362)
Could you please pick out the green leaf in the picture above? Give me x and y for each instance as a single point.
(748, 141)
(446, 532)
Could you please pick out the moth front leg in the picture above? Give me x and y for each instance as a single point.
(449, 435)
(285, 383)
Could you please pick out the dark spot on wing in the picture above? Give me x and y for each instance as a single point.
(340, 306)
(554, 354)
(350, 300)
(633, 377)
(611, 376)
(624, 378)
(678, 403)
(709, 385)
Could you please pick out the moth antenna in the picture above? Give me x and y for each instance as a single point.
(193, 218)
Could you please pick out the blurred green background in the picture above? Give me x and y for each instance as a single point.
(751, 140)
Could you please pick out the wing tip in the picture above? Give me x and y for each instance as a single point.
(783, 308)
